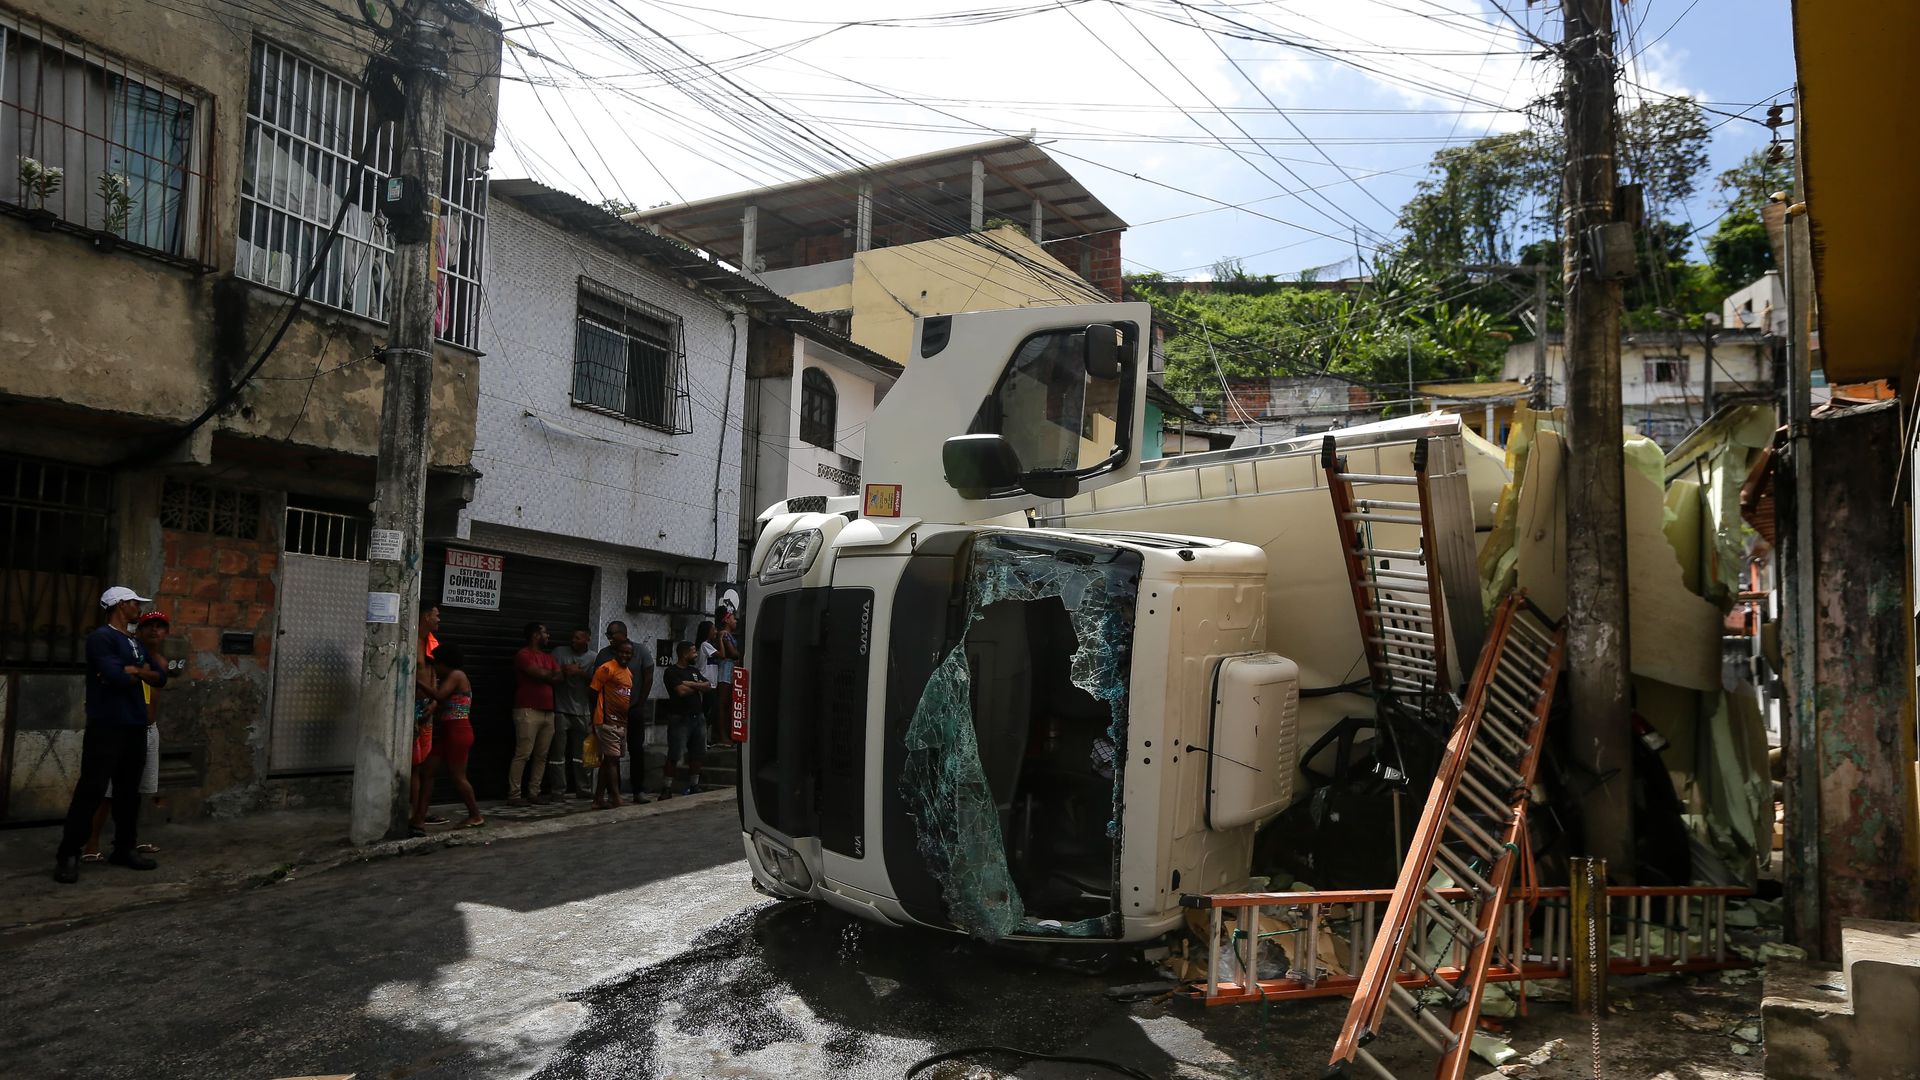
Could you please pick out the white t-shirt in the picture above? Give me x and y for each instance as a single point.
(710, 662)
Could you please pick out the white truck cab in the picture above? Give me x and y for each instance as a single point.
(956, 720)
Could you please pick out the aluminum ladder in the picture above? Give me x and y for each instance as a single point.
(1659, 930)
(1396, 591)
(1472, 830)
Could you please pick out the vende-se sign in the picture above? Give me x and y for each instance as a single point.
(472, 580)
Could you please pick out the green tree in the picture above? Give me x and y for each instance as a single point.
(1740, 249)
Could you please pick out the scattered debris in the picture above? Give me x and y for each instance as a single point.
(1492, 1049)
(1139, 991)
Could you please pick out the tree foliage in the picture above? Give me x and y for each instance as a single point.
(1740, 250)
(1367, 332)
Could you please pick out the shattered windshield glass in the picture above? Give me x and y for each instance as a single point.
(1049, 773)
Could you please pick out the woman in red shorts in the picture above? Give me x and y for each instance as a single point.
(453, 739)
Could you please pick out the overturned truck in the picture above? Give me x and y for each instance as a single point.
(1030, 685)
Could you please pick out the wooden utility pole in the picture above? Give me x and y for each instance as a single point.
(383, 756)
(1598, 651)
(1542, 397)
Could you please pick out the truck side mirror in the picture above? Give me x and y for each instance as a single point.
(1103, 357)
(978, 464)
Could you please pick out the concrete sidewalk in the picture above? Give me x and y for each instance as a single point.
(207, 857)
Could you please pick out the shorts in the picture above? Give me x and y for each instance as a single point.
(422, 743)
(454, 741)
(686, 734)
(611, 740)
(150, 773)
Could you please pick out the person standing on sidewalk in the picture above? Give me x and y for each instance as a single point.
(707, 635)
(152, 631)
(115, 746)
(535, 674)
(612, 687)
(686, 717)
(572, 715)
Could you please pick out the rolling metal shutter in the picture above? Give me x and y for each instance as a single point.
(531, 590)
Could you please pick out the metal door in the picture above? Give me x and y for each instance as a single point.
(316, 664)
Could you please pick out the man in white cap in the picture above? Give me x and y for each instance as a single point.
(116, 740)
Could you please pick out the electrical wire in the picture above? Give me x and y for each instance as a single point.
(930, 1061)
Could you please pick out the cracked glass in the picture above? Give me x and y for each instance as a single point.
(990, 742)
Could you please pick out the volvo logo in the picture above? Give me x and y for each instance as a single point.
(866, 626)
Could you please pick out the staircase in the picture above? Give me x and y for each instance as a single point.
(1821, 1022)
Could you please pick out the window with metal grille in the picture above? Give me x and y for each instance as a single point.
(328, 534)
(99, 144)
(55, 554)
(304, 127)
(628, 360)
(819, 408)
(1667, 369)
(213, 509)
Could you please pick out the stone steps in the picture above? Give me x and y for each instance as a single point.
(1860, 1019)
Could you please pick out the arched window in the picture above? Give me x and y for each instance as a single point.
(818, 408)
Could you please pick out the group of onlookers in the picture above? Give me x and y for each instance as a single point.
(120, 751)
(574, 715)
(574, 721)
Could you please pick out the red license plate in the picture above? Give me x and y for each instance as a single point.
(739, 732)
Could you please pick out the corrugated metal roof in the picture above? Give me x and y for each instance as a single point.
(578, 215)
(935, 188)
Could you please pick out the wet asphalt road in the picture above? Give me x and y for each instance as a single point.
(637, 950)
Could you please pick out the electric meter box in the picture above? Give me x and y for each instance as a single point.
(1255, 728)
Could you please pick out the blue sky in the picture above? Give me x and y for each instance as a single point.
(616, 101)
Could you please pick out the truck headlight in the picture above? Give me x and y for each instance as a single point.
(792, 555)
(782, 864)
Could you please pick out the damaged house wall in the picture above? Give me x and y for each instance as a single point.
(1861, 777)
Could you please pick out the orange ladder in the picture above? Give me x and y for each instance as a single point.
(1472, 831)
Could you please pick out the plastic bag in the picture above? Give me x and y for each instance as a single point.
(590, 752)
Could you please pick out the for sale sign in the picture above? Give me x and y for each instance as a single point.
(739, 733)
(472, 580)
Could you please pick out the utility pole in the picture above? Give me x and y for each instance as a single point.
(1542, 399)
(1597, 645)
(383, 756)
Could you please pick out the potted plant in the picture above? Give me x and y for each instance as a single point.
(38, 183)
(117, 196)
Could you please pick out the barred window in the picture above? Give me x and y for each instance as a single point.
(819, 408)
(98, 144)
(304, 127)
(213, 509)
(628, 360)
(55, 553)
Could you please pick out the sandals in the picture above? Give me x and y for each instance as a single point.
(473, 824)
(92, 856)
(436, 820)
(147, 849)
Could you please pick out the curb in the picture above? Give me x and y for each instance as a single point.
(309, 863)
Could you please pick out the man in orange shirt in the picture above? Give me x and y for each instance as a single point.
(612, 688)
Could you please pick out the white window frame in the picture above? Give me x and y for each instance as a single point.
(313, 130)
(26, 126)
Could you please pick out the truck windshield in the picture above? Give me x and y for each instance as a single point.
(1056, 416)
(1010, 743)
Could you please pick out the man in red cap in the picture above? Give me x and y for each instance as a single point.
(115, 747)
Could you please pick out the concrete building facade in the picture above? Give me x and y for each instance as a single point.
(1670, 380)
(152, 437)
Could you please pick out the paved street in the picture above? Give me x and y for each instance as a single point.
(636, 951)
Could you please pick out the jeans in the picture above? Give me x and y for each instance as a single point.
(686, 734)
(116, 753)
(532, 731)
(565, 769)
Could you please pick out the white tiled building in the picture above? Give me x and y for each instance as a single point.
(614, 392)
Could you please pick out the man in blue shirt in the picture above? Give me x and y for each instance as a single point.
(115, 748)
